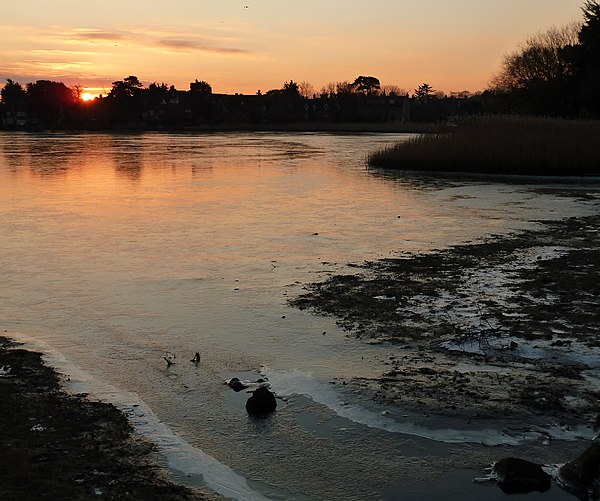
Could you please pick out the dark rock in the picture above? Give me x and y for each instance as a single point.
(581, 476)
(262, 401)
(518, 476)
(236, 385)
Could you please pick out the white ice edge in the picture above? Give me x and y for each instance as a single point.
(302, 383)
(179, 454)
(184, 458)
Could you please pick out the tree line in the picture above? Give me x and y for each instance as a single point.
(129, 103)
(556, 72)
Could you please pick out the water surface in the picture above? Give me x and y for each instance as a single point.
(116, 249)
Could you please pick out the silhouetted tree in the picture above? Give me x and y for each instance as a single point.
(328, 90)
(306, 89)
(285, 104)
(156, 93)
(424, 93)
(344, 87)
(291, 88)
(588, 60)
(539, 76)
(200, 87)
(539, 60)
(366, 85)
(202, 102)
(50, 101)
(589, 35)
(125, 100)
(460, 94)
(12, 95)
(393, 90)
(127, 88)
(77, 91)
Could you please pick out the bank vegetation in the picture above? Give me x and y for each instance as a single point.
(501, 145)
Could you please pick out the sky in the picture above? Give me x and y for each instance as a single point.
(246, 45)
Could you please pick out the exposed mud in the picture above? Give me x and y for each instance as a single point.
(508, 326)
(54, 445)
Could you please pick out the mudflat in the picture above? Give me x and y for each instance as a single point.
(506, 327)
(56, 445)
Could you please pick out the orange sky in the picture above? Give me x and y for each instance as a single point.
(246, 45)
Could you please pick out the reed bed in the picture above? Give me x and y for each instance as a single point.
(501, 145)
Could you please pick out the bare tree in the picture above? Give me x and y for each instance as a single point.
(306, 89)
(393, 90)
(77, 91)
(460, 94)
(328, 89)
(539, 59)
(344, 87)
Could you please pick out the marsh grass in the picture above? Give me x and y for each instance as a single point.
(501, 145)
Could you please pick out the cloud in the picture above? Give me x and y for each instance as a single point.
(148, 39)
(97, 36)
(193, 45)
(58, 66)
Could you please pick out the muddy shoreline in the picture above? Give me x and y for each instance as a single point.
(56, 445)
(504, 328)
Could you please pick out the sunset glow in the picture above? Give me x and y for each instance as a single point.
(245, 46)
(86, 96)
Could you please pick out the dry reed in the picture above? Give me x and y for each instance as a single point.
(501, 145)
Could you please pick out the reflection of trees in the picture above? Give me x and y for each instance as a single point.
(202, 170)
(44, 155)
(128, 157)
(14, 159)
(51, 155)
(56, 154)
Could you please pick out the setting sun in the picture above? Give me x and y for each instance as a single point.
(86, 96)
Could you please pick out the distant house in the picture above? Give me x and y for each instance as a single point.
(11, 120)
(21, 119)
(384, 109)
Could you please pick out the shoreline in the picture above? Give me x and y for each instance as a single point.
(300, 127)
(500, 329)
(57, 445)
